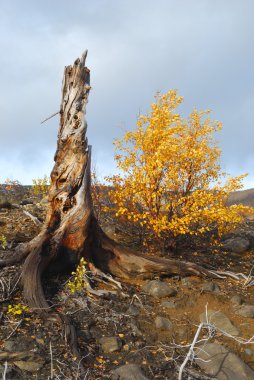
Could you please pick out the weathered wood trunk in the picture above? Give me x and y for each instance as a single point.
(62, 240)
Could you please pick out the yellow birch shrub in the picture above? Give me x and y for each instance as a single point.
(171, 180)
(3, 241)
(40, 186)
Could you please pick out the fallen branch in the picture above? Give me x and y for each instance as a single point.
(5, 370)
(34, 219)
(190, 352)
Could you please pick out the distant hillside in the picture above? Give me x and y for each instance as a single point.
(245, 197)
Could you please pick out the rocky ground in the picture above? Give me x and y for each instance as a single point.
(143, 331)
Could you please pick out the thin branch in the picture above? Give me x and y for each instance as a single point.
(51, 362)
(14, 330)
(5, 370)
(190, 352)
(50, 117)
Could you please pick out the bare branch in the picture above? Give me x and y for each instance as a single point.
(50, 117)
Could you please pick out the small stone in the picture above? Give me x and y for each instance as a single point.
(40, 341)
(133, 311)
(246, 311)
(163, 323)
(186, 281)
(183, 333)
(30, 365)
(169, 304)
(236, 300)
(135, 329)
(210, 287)
(221, 321)
(128, 372)
(26, 202)
(126, 347)
(110, 344)
(85, 335)
(222, 364)
(158, 289)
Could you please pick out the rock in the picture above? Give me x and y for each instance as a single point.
(25, 202)
(186, 281)
(248, 352)
(158, 289)
(128, 372)
(236, 300)
(80, 302)
(110, 230)
(133, 311)
(44, 201)
(110, 344)
(210, 287)
(217, 361)
(20, 344)
(126, 347)
(169, 304)
(6, 205)
(135, 329)
(246, 311)
(221, 321)
(30, 365)
(85, 335)
(237, 244)
(163, 323)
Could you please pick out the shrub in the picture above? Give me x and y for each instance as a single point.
(170, 180)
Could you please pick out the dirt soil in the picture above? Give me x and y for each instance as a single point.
(128, 315)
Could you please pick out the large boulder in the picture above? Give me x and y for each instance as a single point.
(219, 362)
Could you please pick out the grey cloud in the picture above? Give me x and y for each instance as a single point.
(202, 47)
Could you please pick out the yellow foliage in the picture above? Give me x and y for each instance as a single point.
(79, 279)
(40, 186)
(171, 174)
(3, 241)
(17, 310)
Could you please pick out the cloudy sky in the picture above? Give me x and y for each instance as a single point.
(203, 48)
